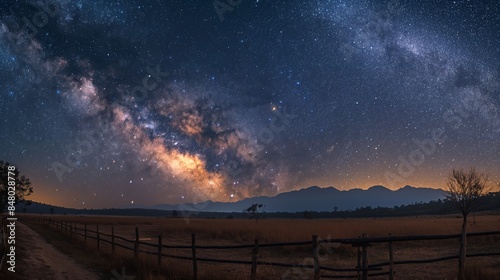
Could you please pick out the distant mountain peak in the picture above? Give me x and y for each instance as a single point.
(313, 198)
(379, 187)
(312, 188)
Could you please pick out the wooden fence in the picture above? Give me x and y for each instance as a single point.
(363, 269)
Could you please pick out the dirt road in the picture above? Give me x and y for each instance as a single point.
(42, 261)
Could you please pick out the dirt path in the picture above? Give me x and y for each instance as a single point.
(42, 261)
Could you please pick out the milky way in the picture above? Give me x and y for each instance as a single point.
(112, 103)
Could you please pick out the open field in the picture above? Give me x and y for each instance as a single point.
(234, 232)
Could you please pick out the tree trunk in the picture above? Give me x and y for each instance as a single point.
(463, 246)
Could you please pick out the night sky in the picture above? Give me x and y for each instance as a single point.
(109, 103)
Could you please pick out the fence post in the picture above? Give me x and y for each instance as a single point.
(98, 245)
(315, 257)
(160, 247)
(195, 265)
(85, 230)
(255, 252)
(359, 261)
(364, 261)
(462, 251)
(112, 240)
(136, 247)
(391, 260)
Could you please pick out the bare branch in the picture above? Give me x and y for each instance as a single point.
(466, 187)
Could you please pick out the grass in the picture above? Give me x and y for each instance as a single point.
(287, 230)
(227, 232)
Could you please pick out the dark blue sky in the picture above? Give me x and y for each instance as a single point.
(109, 103)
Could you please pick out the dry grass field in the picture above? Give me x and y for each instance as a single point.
(176, 231)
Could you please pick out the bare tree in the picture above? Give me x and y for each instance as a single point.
(464, 189)
(253, 211)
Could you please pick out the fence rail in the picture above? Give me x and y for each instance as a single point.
(363, 269)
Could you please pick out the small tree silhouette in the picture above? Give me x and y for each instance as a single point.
(22, 184)
(465, 189)
(51, 210)
(253, 210)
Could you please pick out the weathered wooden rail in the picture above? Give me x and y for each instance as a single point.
(364, 270)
